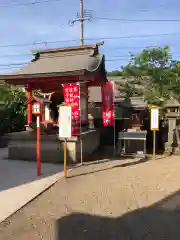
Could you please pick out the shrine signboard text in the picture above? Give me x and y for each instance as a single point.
(108, 104)
(72, 96)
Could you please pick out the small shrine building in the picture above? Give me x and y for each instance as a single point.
(57, 74)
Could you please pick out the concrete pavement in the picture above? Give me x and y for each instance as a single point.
(19, 183)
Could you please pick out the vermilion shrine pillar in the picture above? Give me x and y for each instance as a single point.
(29, 105)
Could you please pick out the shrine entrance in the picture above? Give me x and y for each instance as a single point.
(56, 98)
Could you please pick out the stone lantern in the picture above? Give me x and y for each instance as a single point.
(172, 115)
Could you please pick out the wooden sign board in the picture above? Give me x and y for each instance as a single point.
(154, 119)
(65, 121)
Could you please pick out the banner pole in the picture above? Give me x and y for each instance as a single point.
(65, 157)
(154, 110)
(154, 145)
(81, 144)
(114, 121)
(38, 147)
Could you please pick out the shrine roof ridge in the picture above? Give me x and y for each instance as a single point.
(70, 61)
(72, 48)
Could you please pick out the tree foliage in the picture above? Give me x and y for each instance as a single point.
(152, 74)
(13, 115)
(114, 73)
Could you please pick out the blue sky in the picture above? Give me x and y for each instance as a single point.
(49, 22)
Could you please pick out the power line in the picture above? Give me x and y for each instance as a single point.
(114, 58)
(90, 39)
(136, 36)
(28, 4)
(137, 20)
(16, 55)
(18, 66)
(13, 64)
(144, 47)
(127, 59)
(159, 7)
(105, 49)
(118, 59)
(21, 55)
(31, 44)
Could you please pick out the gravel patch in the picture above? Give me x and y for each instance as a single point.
(112, 200)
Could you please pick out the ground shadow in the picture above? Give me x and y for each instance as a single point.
(106, 154)
(14, 173)
(157, 222)
(4, 141)
(90, 168)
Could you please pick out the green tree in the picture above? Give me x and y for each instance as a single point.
(115, 73)
(156, 72)
(13, 116)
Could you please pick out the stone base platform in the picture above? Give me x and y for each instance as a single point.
(22, 146)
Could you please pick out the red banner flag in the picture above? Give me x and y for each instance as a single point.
(71, 96)
(107, 104)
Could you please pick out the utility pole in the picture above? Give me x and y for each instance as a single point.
(81, 17)
(82, 21)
